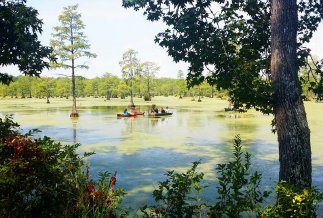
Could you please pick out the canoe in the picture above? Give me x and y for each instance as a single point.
(131, 115)
(228, 109)
(239, 110)
(160, 114)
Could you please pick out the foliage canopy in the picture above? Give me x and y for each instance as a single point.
(230, 39)
(19, 44)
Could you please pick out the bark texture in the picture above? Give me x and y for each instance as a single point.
(291, 122)
(74, 111)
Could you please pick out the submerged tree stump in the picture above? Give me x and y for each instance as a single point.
(74, 115)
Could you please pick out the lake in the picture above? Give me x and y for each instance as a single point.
(142, 149)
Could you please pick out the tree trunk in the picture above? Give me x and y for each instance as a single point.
(148, 90)
(212, 92)
(74, 111)
(291, 122)
(108, 95)
(199, 94)
(131, 95)
(47, 92)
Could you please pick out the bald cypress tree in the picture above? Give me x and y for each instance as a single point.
(70, 44)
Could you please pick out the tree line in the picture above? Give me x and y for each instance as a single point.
(107, 86)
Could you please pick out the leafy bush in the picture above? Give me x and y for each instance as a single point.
(239, 194)
(293, 201)
(89, 201)
(8, 126)
(178, 195)
(42, 178)
(147, 98)
(238, 189)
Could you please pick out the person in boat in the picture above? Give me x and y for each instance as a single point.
(162, 111)
(134, 110)
(167, 110)
(125, 112)
(242, 108)
(231, 106)
(152, 110)
(156, 110)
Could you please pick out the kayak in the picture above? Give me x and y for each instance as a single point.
(131, 114)
(239, 110)
(160, 114)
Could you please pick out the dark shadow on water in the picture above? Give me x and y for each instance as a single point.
(139, 174)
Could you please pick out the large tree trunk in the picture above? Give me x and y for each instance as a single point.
(291, 122)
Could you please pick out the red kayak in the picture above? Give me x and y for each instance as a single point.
(131, 114)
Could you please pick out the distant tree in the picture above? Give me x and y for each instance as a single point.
(42, 88)
(138, 84)
(79, 85)
(88, 88)
(130, 67)
(70, 44)
(19, 44)
(181, 83)
(63, 86)
(109, 84)
(47, 81)
(4, 90)
(164, 90)
(149, 71)
(13, 89)
(310, 79)
(95, 87)
(23, 85)
(123, 89)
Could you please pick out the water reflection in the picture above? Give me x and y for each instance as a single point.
(74, 122)
(154, 121)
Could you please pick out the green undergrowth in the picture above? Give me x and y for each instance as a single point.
(43, 178)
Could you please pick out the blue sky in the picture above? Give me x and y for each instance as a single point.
(111, 31)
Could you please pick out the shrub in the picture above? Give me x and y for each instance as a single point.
(147, 98)
(238, 189)
(8, 126)
(42, 178)
(178, 195)
(292, 201)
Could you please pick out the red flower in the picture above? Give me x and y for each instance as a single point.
(113, 180)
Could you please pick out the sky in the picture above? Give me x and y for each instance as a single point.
(112, 30)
